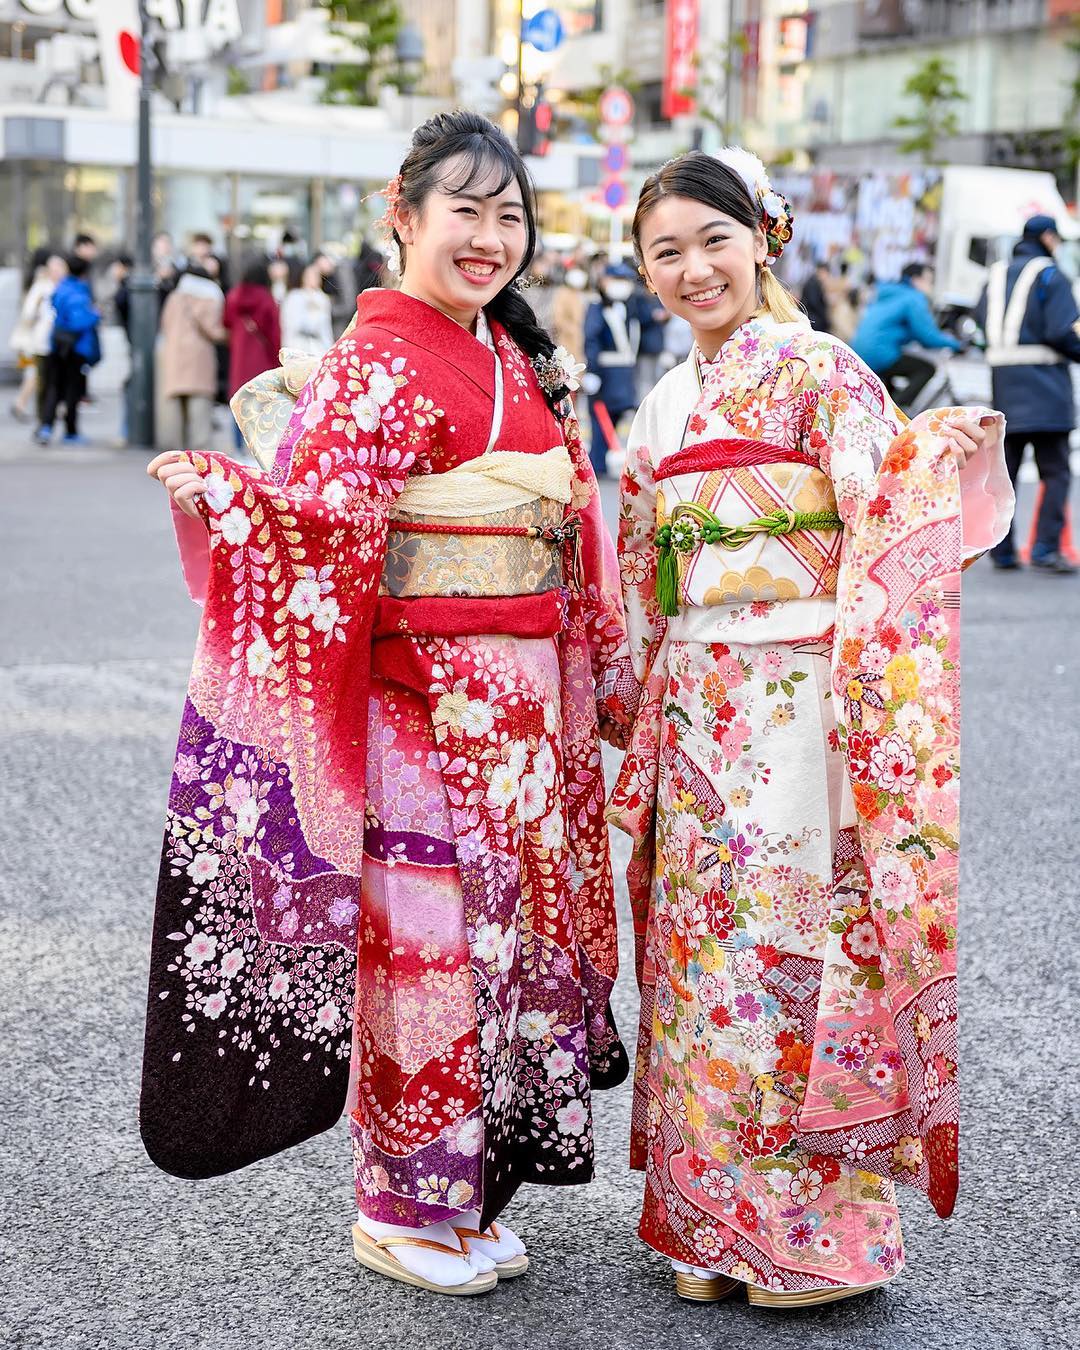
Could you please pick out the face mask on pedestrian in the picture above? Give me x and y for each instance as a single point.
(577, 279)
(618, 288)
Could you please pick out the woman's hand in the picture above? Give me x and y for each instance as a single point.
(964, 436)
(181, 481)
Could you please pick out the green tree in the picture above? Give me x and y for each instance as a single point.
(936, 90)
(586, 102)
(372, 27)
(715, 70)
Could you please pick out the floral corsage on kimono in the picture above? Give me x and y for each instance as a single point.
(559, 374)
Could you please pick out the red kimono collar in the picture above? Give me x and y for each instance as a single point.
(425, 326)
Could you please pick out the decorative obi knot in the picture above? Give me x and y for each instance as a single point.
(692, 525)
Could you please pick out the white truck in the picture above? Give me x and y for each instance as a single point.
(982, 215)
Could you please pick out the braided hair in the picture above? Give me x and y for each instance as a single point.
(479, 149)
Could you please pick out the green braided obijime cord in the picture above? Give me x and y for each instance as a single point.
(691, 525)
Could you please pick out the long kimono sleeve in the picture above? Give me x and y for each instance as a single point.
(252, 975)
(889, 987)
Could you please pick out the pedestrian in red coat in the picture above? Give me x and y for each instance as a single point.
(251, 316)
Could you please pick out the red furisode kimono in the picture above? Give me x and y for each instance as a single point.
(390, 748)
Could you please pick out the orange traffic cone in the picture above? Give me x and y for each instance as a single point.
(1068, 548)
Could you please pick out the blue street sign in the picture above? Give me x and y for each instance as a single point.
(615, 159)
(544, 31)
(615, 194)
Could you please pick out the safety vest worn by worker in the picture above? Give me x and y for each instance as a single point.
(1003, 322)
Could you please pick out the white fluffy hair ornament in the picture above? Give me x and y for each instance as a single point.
(776, 214)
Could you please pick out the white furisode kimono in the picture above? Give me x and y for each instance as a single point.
(791, 704)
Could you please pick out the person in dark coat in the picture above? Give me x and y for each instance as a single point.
(368, 267)
(814, 300)
(653, 318)
(1032, 325)
(612, 336)
(251, 318)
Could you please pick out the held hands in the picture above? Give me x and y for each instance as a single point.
(181, 481)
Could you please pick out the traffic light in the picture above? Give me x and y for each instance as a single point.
(534, 129)
(542, 122)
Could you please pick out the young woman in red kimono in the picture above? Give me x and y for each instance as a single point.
(385, 844)
(791, 556)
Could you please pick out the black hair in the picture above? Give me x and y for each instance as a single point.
(704, 178)
(125, 260)
(914, 270)
(78, 267)
(81, 239)
(483, 149)
(256, 273)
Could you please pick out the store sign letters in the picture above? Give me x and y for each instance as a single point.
(218, 19)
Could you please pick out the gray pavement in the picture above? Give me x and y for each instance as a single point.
(98, 1249)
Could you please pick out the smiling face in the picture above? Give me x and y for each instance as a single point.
(464, 243)
(703, 266)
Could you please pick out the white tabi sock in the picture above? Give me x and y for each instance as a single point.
(437, 1267)
(699, 1271)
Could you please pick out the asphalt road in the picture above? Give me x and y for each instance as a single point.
(98, 1249)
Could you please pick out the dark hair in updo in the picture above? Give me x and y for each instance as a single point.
(483, 149)
(704, 178)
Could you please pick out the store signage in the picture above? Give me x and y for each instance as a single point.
(218, 19)
(680, 66)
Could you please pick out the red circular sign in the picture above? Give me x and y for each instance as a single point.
(616, 106)
(129, 50)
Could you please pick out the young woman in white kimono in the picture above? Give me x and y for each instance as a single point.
(790, 554)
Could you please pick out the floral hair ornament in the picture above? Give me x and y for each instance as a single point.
(384, 226)
(777, 217)
(558, 373)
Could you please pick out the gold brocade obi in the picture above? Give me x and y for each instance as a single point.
(493, 526)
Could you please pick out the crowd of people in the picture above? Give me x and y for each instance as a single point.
(213, 335)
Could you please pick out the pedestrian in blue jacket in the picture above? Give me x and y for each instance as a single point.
(900, 314)
(75, 345)
(1032, 325)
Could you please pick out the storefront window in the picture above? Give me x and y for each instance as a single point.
(48, 203)
(266, 208)
(347, 217)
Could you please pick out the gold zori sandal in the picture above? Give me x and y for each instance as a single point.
(806, 1298)
(505, 1270)
(374, 1253)
(697, 1290)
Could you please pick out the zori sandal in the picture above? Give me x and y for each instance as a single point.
(806, 1298)
(374, 1253)
(505, 1270)
(697, 1290)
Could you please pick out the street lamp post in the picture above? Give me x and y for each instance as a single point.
(142, 288)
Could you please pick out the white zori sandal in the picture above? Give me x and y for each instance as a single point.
(375, 1254)
(506, 1269)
